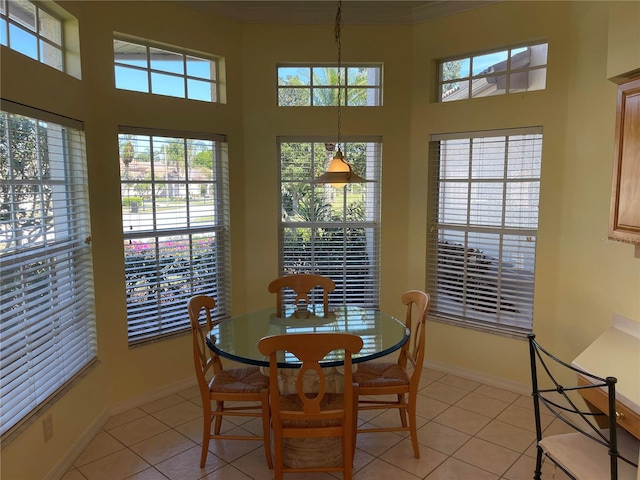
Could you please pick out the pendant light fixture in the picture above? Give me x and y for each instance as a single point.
(339, 172)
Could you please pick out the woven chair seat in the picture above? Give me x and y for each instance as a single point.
(239, 380)
(378, 374)
(331, 401)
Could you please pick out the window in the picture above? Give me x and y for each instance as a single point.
(47, 326)
(175, 219)
(142, 67)
(317, 85)
(519, 69)
(32, 31)
(482, 228)
(331, 231)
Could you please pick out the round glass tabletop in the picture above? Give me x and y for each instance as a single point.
(237, 338)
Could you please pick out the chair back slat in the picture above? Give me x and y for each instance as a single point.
(312, 414)
(302, 284)
(416, 301)
(205, 360)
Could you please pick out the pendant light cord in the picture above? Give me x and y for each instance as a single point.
(339, 45)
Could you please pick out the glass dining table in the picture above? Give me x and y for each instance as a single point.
(236, 338)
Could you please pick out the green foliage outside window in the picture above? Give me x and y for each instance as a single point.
(327, 230)
(26, 208)
(318, 86)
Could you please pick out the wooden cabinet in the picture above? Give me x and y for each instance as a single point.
(624, 224)
(598, 399)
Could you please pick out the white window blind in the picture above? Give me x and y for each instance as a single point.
(328, 231)
(175, 218)
(482, 228)
(47, 333)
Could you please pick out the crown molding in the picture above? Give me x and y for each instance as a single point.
(323, 12)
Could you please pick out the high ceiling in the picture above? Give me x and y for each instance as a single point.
(353, 11)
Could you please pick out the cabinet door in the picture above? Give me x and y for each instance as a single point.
(624, 223)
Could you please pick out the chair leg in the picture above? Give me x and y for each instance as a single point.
(266, 427)
(538, 471)
(403, 411)
(354, 426)
(206, 436)
(413, 428)
(347, 459)
(278, 455)
(218, 422)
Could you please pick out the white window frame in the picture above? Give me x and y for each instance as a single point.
(522, 64)
(48, 322)
(315, 87)
(355, 272)
(482, 228)
(151, 77)
(167, 263)
(15, 21)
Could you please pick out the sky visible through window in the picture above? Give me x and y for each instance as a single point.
(32, 32)
(164, 72)
(482, 62)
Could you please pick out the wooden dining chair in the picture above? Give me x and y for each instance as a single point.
(311, 416)
(302, 284)
(218, 385)
(401, 378)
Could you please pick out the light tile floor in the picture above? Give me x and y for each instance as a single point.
(467, 431)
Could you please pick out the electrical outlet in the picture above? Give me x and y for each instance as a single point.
(47, 427)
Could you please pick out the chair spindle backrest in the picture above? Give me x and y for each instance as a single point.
(203, 357)
(413, 349)
(301, 284)
(310, 349)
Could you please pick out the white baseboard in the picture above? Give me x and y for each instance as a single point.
(78, 446)
(153, 395)
(81, 443)
(492, 380)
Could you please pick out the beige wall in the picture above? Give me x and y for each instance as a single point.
(264, 45)
(581, 277)
(624, 39)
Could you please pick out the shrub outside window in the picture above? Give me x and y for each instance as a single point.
(142, 67)
(513, 70)
(32, 31)
(482, 228)
(317, 85)
(48, 335)
(176, 226)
